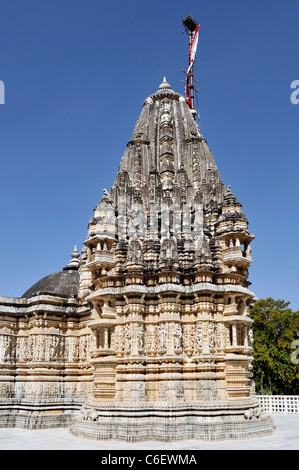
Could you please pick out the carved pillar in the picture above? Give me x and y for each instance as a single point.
(234, 334)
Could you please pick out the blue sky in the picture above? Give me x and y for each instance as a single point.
(76, 74)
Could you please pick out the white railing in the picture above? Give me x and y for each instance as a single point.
(284, 404)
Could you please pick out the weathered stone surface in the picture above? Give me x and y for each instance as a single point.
(150, 329)
(62, 283)
(165, 271)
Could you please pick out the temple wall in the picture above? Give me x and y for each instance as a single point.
(44, 359)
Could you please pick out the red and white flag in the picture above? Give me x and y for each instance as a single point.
(193, 47)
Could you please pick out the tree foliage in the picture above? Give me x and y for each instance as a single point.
(275, 328)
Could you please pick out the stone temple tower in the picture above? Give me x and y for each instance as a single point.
(164, 292)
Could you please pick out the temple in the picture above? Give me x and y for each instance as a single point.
(146, 333)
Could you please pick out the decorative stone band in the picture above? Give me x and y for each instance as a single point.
(167, 407)
(37, 303)
(197, 288)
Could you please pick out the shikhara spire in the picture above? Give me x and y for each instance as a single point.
(164, 273)
(167, 200)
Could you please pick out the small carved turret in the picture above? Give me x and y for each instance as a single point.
(102, 236)
(232, 231)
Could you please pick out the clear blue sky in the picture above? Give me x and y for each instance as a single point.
(76, 73)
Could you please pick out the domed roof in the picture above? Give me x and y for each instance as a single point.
(63, 283)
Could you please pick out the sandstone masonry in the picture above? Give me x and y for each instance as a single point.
(146, 334)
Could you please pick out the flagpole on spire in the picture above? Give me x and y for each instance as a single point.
(192, 27)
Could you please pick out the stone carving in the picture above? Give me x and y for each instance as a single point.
(220, 335)
(199, 335)
(71, 349)
(211, 334)
(83, 347)
(29, 352)
(163, 336)
(151, 340)
(206, 390)
(139, 337)
(149, 328)
(55, 346)
(119, 339)
(168, 250)
(7, 347)
(177, 337)
(128, 339)
(189, 338)
(135, 253)
(88, 414)
(250, 337)
(162, 391)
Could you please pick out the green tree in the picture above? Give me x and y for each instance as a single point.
(275, 328)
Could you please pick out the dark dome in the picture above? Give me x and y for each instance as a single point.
(63, 284)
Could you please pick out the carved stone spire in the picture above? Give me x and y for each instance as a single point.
(165, 170)
(165, 276)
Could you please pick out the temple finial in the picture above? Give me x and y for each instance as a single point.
(164, 85)
(74, 262)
